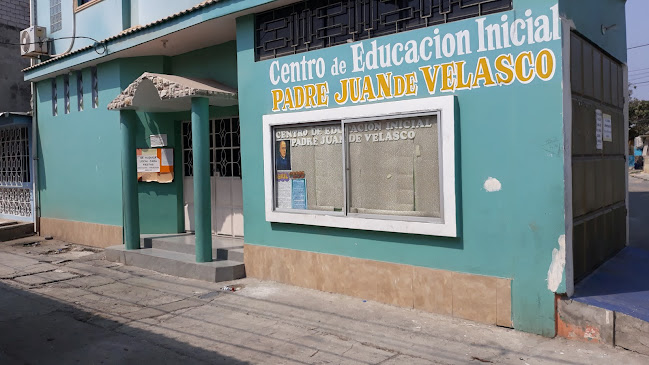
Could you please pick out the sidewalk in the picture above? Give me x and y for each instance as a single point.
(91, 311)
(639, 175)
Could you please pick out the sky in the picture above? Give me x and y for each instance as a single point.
(637, 29)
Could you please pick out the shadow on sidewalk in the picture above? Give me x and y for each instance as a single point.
(35, 329)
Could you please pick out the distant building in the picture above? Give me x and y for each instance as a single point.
(16, 174)
(15, 93)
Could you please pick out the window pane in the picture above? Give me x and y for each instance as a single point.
(308, 167)
(394, 167)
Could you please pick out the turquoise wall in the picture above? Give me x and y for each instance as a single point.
(513, 133)
(78, 156)
(588, 20)
(222, 60)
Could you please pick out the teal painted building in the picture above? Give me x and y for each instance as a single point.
(459, 157)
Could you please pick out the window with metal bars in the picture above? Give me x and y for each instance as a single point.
(95, 87)
(225, 148)
(14, 159)
(79, 91)
(314, 24)
(56, 21)
(55, 105)
(66, 94)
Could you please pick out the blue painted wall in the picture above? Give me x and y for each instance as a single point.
(513, 133)
(589, 18)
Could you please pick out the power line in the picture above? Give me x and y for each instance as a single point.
(642, 45)
(645, 74)
(96, 45)
(641, 74)
(639, 69)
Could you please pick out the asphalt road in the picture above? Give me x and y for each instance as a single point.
(638, 212)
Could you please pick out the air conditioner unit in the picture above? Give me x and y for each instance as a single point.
(33, 42)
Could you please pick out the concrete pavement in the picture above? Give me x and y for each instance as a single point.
(91, 311)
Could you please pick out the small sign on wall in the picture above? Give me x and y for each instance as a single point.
(158, 140)
(155, 165)
(608, 128)
(599, 130)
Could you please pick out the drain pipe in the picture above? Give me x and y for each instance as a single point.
(36, 211)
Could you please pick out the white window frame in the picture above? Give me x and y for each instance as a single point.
(443, 106)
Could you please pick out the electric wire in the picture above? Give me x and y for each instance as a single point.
(642, 45)
(96, 45)
(639, 69)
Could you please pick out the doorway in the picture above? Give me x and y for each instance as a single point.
(225, 177)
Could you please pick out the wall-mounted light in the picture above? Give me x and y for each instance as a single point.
(607, 28)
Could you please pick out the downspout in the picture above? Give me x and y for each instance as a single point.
(37, 210)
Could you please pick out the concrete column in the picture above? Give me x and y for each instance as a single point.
(130, 205)
(202, 196)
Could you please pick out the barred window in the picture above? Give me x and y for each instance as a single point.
(55, 101)
(314, 24)
(95, 87)
(56, 22)
(66, 94)
(79, 91)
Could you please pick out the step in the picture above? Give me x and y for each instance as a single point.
(222, 248)
(4, 223)
(588, 323)
(15, 230)
(177, 264)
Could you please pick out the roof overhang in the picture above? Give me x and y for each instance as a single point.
(153, 92)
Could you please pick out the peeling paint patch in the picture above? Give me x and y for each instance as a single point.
(492, 185)
(555, 272)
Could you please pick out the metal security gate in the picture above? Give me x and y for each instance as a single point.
(16, 188)
(225, 171)
(599, 164)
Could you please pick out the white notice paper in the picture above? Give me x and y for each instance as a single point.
(608, 129)
(599, 129)
(284, 194)
(148, 163)
(158, 140)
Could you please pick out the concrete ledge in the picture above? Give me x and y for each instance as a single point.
(13, 230)
(90, 234)
(631, 333)
(479, 298)
(222, 248)
(585, 323)
(177, 264)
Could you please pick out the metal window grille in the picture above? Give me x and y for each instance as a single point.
(66, 93)
(56, 22)
(14, 161)
(315, 24)
(225, 148)
(16, 202)
(95, 87)
(55, 105)
(80, 91)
